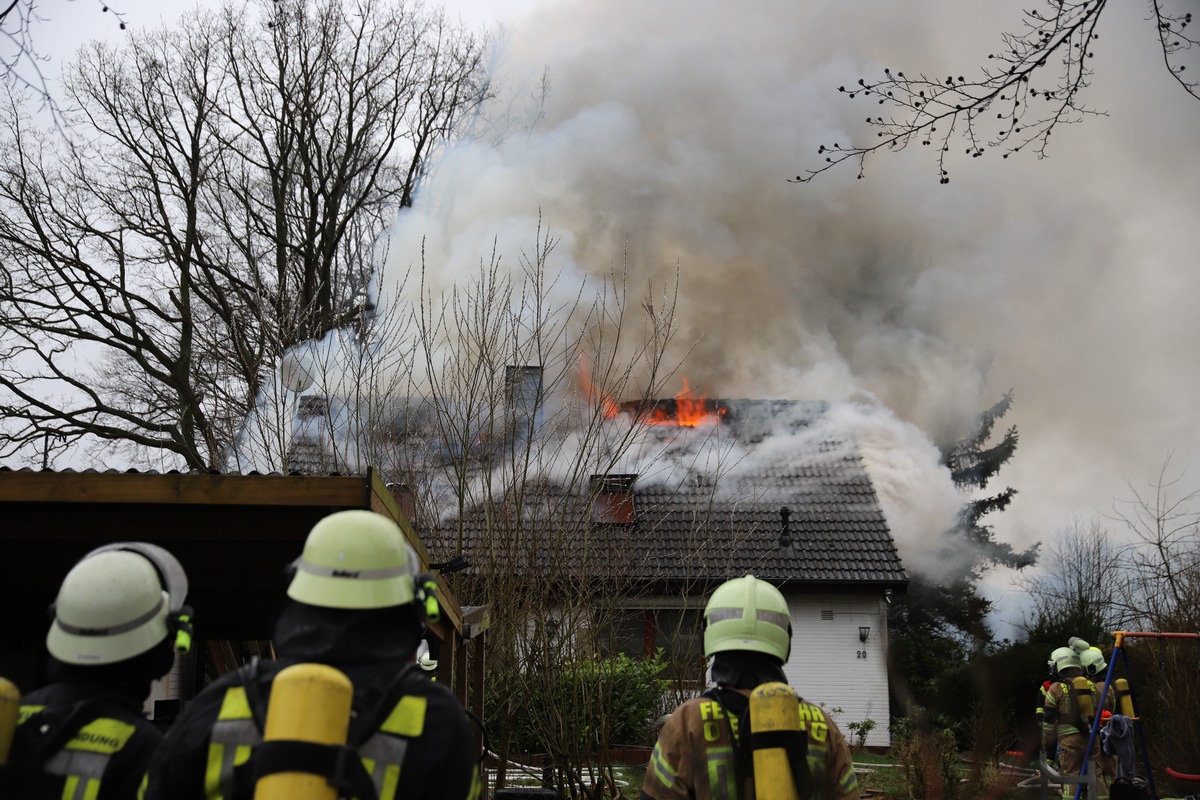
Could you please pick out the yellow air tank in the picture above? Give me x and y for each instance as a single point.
(1124, 697)
(309, 703)
(1083, 696)
(774, 707)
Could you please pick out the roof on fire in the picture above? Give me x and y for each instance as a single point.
(701, 527)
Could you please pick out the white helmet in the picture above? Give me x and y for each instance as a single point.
(110, 607)
(355, 559)
(427, 662)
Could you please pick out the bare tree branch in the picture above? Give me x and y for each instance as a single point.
(1036, 85)
(233, 177)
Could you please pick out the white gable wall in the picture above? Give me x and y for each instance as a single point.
(830, 667)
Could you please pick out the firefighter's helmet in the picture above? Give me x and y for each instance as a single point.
(427, 662)
(111, 607)
(1064, 658)
(747, 614)
(1092, 661)
(355, 559)
(1078, 645)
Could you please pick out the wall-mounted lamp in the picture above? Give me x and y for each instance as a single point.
(863, 632)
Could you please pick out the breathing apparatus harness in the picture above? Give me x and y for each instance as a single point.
(736, 706)
(340, 765)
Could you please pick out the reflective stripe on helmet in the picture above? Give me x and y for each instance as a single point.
(352, 574)
(113, 630)
(773, 617)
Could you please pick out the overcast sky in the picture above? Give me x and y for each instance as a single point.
(672, 127)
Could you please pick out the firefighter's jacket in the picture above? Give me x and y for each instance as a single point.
(78, 741)
(412, 735)
(1061, 715)
(694, 758)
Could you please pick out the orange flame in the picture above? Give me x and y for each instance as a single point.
(608, 407)
(689, 411)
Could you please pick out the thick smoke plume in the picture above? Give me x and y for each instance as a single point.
(668, 133)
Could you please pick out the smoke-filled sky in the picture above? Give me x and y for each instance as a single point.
(670, 130)
(669, 133)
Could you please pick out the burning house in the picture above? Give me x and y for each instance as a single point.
(783, 499)
(634, 536)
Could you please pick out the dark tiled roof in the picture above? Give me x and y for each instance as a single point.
(702, 529)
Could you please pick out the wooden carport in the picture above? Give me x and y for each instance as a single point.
(234, 535)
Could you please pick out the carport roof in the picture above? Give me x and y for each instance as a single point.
(234, 535)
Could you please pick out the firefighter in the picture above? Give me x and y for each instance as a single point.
(1069, 710)
(1095, 669)
(700, 754)
(115, 625)
(353, 603)
(426, 660)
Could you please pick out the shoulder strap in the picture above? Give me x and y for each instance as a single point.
(409, 677)
(49, 730)
(341, 766)
(250, 672)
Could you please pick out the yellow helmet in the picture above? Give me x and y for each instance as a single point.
(1064, 658)
(355, 559)
(747, 614)
(110, 607)
(1093, 661)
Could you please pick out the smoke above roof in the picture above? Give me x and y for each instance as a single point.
(665, 141)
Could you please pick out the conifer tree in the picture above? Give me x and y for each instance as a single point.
(941, 621)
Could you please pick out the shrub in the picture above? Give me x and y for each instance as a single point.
(929, 760)
(584, 706)
(860, 730)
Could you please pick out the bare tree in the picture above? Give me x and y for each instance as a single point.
(1083, 583)
(1165, 561)
(236, 173)
(488, 405)
(21, 62)
(1032, 84)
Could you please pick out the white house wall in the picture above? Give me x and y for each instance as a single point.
(830, 667)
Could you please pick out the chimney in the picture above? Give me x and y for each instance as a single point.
(612, 498)
(785, 534)
(523, 396)
(403, 494)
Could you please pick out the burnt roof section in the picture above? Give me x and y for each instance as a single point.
(705, 528)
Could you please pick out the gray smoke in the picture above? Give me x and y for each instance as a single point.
(669, 133)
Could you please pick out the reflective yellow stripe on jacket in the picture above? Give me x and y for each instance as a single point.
(83, 759)
(235, 735)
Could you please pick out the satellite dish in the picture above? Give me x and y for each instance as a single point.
(293, 373)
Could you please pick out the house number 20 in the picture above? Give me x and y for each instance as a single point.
(862, 654)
